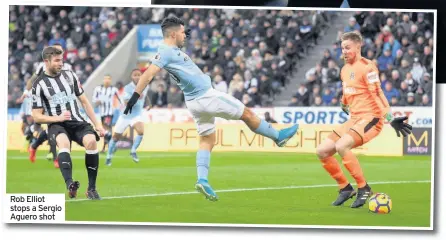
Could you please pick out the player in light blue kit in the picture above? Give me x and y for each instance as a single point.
(204, 102)
(133, 119)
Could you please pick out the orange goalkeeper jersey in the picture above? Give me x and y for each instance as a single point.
(362, 89)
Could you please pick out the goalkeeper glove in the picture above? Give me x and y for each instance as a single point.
(399, 125)
(345, 108)
(131, 102)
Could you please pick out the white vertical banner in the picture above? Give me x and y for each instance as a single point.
(34, 208)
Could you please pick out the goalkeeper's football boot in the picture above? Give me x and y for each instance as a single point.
(363, 194)
(93, 195)
(344, 194)
(203, 187)
(285, 135)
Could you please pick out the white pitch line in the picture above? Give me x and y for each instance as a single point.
(244, 190)
(41, 158)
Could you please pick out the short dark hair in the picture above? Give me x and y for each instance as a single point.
(170, 22)
(134, 70)
(48, 52)
(57, 44)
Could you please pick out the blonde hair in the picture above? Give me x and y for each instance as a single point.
(353, 36)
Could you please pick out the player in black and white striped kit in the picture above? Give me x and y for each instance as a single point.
(103, 97)
(54, 95)
(42, 134)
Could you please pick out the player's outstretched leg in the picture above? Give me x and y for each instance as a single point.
(325, 152)
(203, 162)
(92, 165)
(66, 165)
(351, 163)
(260, 126)
(139, 127)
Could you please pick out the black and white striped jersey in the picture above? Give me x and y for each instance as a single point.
(58, 94)
(105, 95)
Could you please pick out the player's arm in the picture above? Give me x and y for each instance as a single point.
(146, 78)
(79, 91)
(161, 59)
(24, 95)
(39, 117)
(30, 81)
(372, 79)
(373, 82)
(344, 103)
(89, 110)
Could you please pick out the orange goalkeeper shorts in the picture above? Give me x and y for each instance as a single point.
(362, 129)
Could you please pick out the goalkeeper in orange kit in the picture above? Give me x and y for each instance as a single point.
(365, 102)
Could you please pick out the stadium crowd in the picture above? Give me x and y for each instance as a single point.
(250, 54)
(401, 45)
(88, 35)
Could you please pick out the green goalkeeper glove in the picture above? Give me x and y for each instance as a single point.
(345, 108)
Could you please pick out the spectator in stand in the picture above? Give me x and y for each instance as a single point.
(390, 92)
(174, 97)
(385, 59)
(268, 43)
(352, 25)
(302, 95)
(159, 98)
(426, 101)
(327, 96)
(410, 100)
(219, 84)
(412, 85)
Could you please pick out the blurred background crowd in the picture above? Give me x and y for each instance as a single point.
(263, 58)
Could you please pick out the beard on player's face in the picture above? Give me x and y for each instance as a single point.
(54, 68)
(180, 42)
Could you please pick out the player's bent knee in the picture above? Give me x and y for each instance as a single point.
(90, 142)
(341, 147)
(247, 114)
(324, 151)
(321, 152)
(62, 141)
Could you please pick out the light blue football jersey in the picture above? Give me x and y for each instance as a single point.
(188, 76)
(138, 108)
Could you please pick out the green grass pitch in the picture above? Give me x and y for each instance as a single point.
(254, 188)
